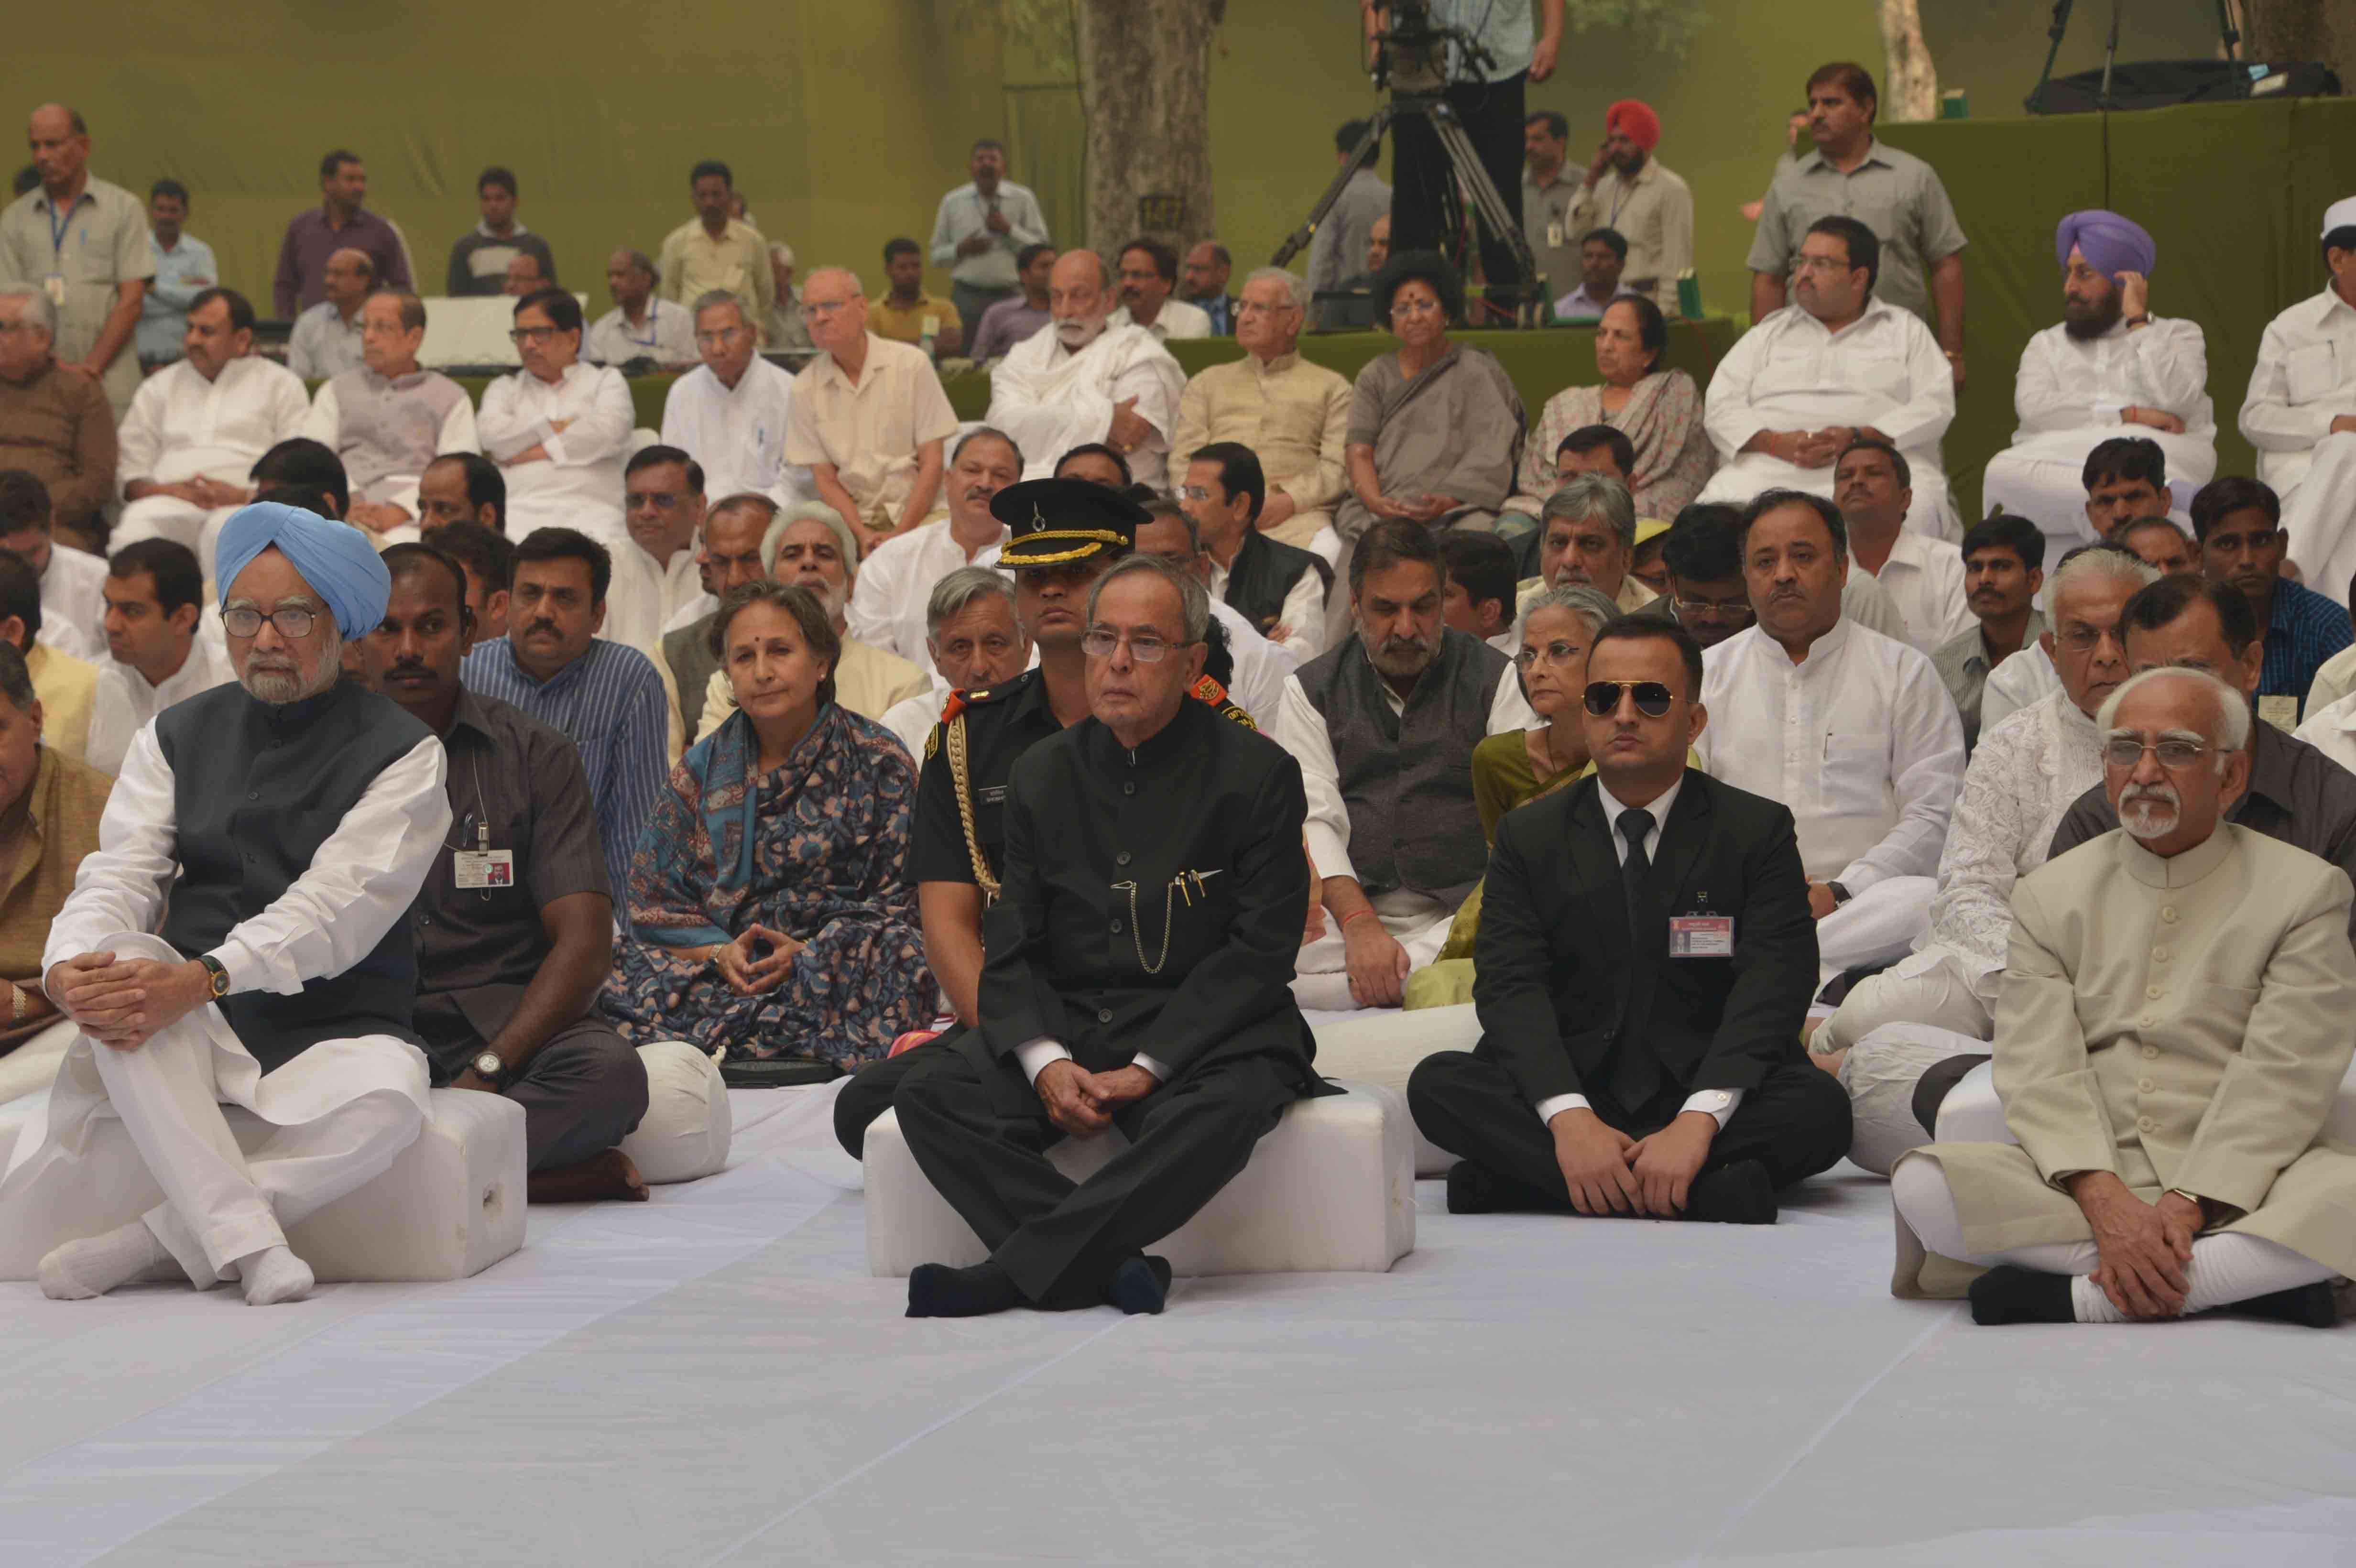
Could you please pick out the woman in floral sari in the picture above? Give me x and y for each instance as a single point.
(1658, 411)
(769, 893)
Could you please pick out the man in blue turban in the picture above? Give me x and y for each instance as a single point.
(294, 817)
(2110, 369)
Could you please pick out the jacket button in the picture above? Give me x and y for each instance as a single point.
(2150, 1053)
(1115, 928)
(2159, 954)
(2146, 1125)
(253, 794)
(2152, 991)
(1121, 858)
(1129, 789)
(2169, 914)
(2145, 1086)
(1104, 1015)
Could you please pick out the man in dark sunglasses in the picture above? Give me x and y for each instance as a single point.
(1646, 959)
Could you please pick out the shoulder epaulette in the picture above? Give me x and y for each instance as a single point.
(1211, 693)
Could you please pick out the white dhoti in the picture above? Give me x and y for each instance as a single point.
(1932, 513)
(33, 1067)
(1880, 1073)
(526, 512)
(2320, 517)
(340, 1113)
(2043, 478)
(1877, 926)
(1935, 987)
(169, 517)
(1321, 981)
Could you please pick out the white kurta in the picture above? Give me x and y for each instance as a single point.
(1176, 318)
(646, 595)
(345, 1108)
(1883, 369)
(578, 484)
(1924, 579)
(325, 425)
(887, 603)
(667, 337)
(1050, 399)
(911, 717)
(737, 434)
(180, 426)
(2068, 395)
(1303, 615)
(74, 603)
(2024, 679)
(2304, 379)
(124, 702)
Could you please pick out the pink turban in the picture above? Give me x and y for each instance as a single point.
(1637, 118)
(2110, 243)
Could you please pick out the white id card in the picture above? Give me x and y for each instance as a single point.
(2281, 711)
(54, 285)
(1554, 235)
(1701, 936)
(930, 327)
(484, 867)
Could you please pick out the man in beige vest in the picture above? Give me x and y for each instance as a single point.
(2172, 1032)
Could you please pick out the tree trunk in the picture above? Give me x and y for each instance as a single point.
(1145, 87)
(1910, 84)
(2290, 30)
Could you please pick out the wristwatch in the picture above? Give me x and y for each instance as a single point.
(1840, 894)
(218, 975)
(487, 1064)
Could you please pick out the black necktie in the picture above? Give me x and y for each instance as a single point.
(1634, 825)
(1634, 1076)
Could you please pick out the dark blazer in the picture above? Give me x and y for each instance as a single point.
(688, 651)
(1558, 977)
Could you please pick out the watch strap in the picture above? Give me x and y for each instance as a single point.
(217, 975)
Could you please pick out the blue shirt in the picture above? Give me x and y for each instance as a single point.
(2304, 629)
(183, 273)
(610, 701)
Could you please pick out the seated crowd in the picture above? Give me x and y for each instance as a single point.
(1750, 800)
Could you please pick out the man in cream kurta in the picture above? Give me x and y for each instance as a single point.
(2301, 413)
(1083, 380)
(869, 418)
(1295, 416)
(2172, 1035)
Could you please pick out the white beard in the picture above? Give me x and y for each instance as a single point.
(2151, 814)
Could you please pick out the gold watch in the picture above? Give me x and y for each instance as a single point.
(217, 977)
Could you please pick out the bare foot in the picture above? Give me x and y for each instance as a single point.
(601, 1178)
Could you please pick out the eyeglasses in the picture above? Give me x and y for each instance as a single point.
(1414, 307)
(1602, 697)
(1555, 654)
(294, 624)
(819, 310)
(2084, 639)
(1713, 609)
(714, 339)
(1821, 265)
(1145, 648)
(2174, 754)
(523, 334)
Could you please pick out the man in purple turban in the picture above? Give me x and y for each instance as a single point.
(2111, 367)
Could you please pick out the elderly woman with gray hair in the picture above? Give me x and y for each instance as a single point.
(49, 807)
(812, 547)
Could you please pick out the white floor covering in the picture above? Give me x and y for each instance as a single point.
(713, 1378)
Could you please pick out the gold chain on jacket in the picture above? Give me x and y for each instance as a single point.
(958, 778)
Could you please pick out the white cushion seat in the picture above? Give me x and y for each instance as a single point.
(1384, 1048)
(684, 1134)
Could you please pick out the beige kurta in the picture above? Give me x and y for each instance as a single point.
(871, 431)
(2183, 1022)
(1295, 417)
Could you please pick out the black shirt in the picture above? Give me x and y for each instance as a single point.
(1000, 724)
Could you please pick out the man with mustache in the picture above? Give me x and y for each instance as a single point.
(2173, 1035)
(2110, 365)
(869, 418)
(1089, 380)
(2301, 412)
(1849, 729)
(293, 816)
(1649, 208)
(2028, 772)
(1872, 484)
(1382, 724)
(888, 605)
(2004, 559)
(657, 571)
(514, 928)
(1149, 272)
(977, 642)
(728, 552)
(2238, 522)
(553, 666)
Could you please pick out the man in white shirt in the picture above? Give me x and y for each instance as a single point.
(1149, 275)
(1383, 726)
(1087, 381)
(2301, 413)
(890, 606)
(1853, 730)
(387, 421)
(154, 602)
(979, 228)
(2109, 366)
(196, 429)
(557, 428)
(2025, 776)
(657, 574)
(869, 418)
(640, 325)
(1924, 575)
(731, 413)
(73, 605)
(1279, 589)
(1835, 365)
(326, 341)
(278, 976)
(977, 642)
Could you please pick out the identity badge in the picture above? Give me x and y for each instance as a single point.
(1701, 936)
(484, 867)
(2279, 710)
(54, 285)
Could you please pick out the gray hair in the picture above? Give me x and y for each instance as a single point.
(711, 299)
(816, 512)
(781, 251)
(1591, 495)
(16, 681)
(38, 311)
(1583, 600)
(2232, 709)
(1296, 287)
(953, 594)
(2119, 565)
(1193, 598)
(845, 273)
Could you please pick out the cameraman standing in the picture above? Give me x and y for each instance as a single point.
(1487, 98)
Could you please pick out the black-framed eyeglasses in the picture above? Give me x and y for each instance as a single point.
(1713, 609)
(293, 622)
(523, 334)
(1602, 697)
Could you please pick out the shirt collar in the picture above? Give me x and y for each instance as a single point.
(1276, 367)
(2272, 765)
(485, 231)
(1820, 652)
(1612, 805)
(1816, 159)
(2176, 871)
(472, 714)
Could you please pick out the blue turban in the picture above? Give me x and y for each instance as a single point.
(333, 557)
(2111, 244)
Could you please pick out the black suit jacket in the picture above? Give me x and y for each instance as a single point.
(1560, 976)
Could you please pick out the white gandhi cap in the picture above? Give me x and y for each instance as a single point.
(2339, 215)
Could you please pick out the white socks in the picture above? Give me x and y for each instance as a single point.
(2225, 1268)
(80, 1270)
(273, 1274)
